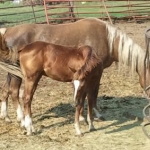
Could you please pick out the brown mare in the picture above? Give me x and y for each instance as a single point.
(109, 43)
(65, 64)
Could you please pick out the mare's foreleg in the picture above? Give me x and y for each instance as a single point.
(90, 112)
(92, 93)
(96, 84)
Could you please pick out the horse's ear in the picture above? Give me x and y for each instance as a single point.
(80, 45)
(2, 44)
(3, 30)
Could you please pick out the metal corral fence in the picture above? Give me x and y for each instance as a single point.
(14, 12)
(60, 11)
(111, 9)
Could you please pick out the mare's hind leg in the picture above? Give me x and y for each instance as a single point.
(12, 87)
(4, 101)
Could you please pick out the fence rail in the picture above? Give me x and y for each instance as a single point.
(60, 11)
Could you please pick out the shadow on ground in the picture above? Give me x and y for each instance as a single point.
(119, 110)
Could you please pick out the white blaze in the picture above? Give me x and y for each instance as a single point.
(76, 86)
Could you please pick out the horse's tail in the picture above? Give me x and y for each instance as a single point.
(91, 60)
(2, 32)
(6, 53)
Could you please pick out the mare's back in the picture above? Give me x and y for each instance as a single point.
(65, 34)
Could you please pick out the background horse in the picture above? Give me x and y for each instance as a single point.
(109, 43)
(65, 64)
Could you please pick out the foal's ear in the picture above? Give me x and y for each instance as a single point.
(2, 44)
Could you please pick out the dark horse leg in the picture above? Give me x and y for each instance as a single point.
(91, 93)
(98, 116)
(92, 87)
(12, 87)
(92, 98)
(80, 98)
(95, 109)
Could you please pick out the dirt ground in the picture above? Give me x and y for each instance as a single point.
(120, 100)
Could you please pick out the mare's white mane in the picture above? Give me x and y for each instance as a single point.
(129, 53)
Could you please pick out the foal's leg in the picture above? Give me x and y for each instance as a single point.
(30, 87)
(77, 114)
(76, 86)
(81, 116)
(79, 98)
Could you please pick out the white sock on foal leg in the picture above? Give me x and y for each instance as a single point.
(28, 125)
(20, 116)
(81, 118)
(76, 86)
(77, 128)
(21, 92)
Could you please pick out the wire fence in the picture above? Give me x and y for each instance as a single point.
(14, 12)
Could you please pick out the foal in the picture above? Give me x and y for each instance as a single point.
(65, 64)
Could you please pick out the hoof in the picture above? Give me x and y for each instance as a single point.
(99, 119)
(91, 130)
(7, 119)
(80, 135)
(28, 134)
(22, 124)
